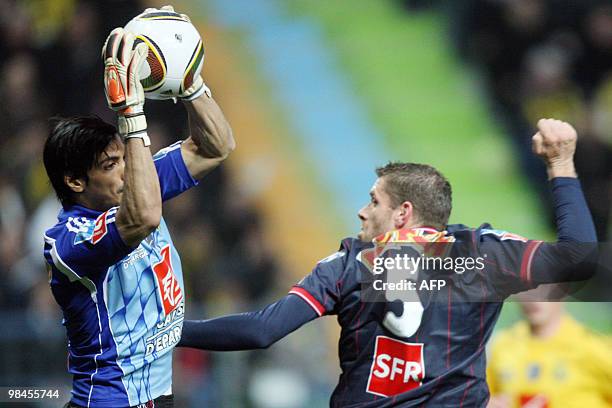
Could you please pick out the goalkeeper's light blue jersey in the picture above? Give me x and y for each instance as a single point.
(123, 307)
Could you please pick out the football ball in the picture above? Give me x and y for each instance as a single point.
(175, 56)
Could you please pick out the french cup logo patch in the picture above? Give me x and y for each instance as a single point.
(397, 367)
(100, 228)
(168, 286)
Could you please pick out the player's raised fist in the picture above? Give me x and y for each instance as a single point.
(555, 143)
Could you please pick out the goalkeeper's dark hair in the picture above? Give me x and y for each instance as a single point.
(72, 148)
(425, 187)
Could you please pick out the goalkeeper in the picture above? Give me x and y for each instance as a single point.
(113, 268)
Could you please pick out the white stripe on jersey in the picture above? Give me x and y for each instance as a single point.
(91, 286)
(66, 270)
(110, 328)
(163, 152)
(97, 355)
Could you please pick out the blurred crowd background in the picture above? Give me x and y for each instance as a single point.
(548, 58)
(535, 58)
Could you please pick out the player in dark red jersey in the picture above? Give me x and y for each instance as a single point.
(428, 350)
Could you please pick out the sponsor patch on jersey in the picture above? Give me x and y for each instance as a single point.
(100, 228)
(397, 367)
(169, 289)
(167, 332)
(505, 235)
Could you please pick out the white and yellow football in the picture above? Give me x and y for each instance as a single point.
(175, 56)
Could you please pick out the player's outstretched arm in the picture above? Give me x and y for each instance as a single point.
(572, 257)
(140, 208)
(246, 331)
(211, 139)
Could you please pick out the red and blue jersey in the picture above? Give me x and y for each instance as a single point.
(123, 307)
(428, 351)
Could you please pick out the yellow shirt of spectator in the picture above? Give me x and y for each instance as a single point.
(572, 368)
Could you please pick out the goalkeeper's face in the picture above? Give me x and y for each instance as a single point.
(378, 216)
(104, 185)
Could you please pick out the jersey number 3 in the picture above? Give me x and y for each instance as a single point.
(409, 321)
(406, 324)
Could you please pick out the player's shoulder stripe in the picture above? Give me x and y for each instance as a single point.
(308, 298)
(335, 255)
(81, 223)
(502, 235)
(163, 152)
(527, 261)
(85, 228)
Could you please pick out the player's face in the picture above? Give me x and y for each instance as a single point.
(105, 179)
(539, 313)
(377, 217)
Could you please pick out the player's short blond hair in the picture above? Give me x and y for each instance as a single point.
(425, 187)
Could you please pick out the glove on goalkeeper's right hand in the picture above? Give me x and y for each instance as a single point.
(194, 91)
(122, 87)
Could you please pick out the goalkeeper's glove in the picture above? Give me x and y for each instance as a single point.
(122, 86)
(194, 91)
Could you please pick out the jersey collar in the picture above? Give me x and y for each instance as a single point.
(419, 234)
(78, 210)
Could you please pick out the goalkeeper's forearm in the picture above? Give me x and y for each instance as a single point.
(246, 331)
(209, 129)
(141, 205)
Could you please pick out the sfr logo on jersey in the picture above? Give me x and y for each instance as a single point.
(169, 288)
(397, 367)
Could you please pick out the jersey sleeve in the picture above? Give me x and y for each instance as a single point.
(515, 265)
(321, 288)
(174, 177)
(509, 260)
(247, 331)
(520, 264)
(574, 256)
(84, 247)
